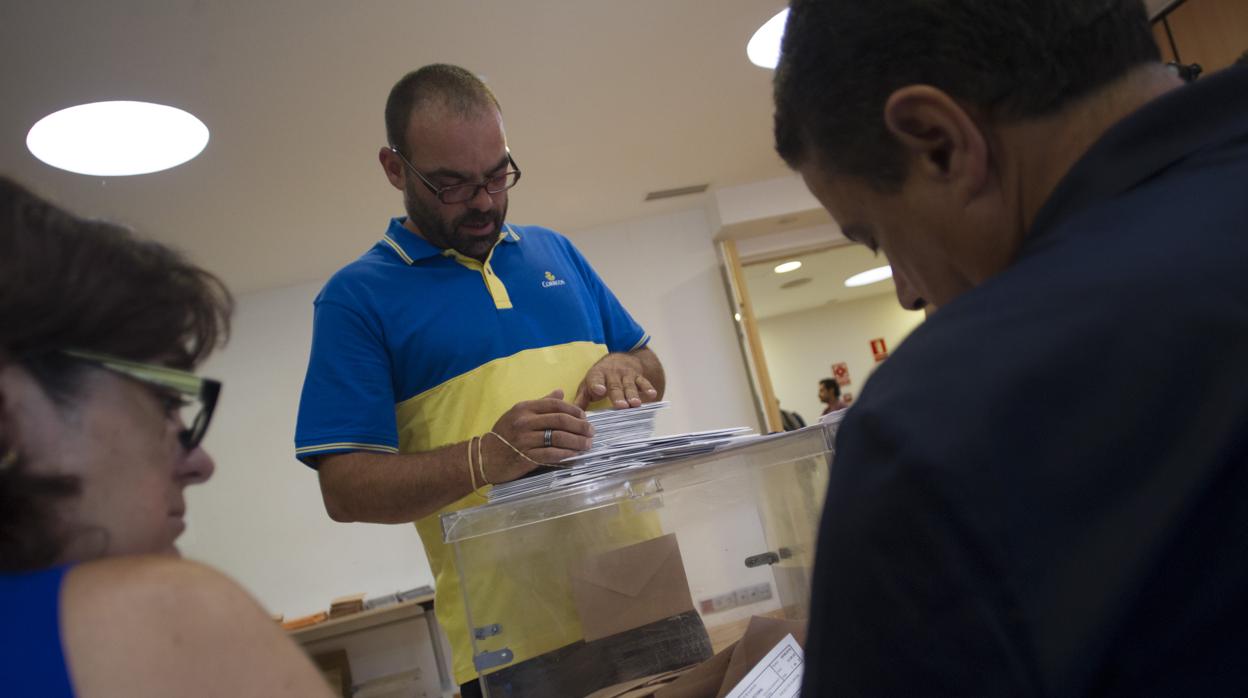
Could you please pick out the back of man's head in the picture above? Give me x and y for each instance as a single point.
(1015, 59)
(448, 86)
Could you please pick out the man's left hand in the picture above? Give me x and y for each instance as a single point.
(619, 378)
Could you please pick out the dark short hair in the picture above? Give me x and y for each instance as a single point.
(448, 85)
(841, 59)
(70, 283)
(832, 386)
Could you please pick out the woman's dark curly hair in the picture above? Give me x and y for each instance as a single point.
(66, 282)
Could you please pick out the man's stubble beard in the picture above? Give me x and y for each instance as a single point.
(433, 228)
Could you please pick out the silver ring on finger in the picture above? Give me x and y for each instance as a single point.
(548, 438)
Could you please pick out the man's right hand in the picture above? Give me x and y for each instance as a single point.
(524, 427)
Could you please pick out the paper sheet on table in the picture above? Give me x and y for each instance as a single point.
(778, 675)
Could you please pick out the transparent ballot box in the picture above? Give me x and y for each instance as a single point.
(643, 571)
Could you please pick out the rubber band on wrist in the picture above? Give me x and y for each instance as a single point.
(472, 473)
(522, 454)
(481, 461)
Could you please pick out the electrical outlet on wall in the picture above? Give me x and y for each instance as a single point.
(763, 593)
(742, 596)
(737, 597)
(755, 594)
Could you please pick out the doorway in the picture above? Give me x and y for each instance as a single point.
(801, 322)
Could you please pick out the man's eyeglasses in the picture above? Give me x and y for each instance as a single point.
(459, 193)
(183, 393)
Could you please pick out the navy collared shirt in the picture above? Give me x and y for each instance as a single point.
(1044, 491)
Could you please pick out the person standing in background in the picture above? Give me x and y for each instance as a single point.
(791, 421)
(830, 395)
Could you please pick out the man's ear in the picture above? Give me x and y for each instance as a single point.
(939, 136)
(392, 166)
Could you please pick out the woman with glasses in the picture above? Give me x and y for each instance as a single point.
(100, 426)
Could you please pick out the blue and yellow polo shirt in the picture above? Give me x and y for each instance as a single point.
(415, 347)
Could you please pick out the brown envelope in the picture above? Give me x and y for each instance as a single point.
(702, 681)
(761, 636)
(630, 587)
(718, 675)
(643, 687)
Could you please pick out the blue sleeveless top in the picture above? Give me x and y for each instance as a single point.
(31, 659)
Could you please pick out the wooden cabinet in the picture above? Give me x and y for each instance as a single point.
(1213, 33)
(398, 650)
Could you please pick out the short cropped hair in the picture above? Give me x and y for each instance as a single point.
(831, 386)
(841, 59)
(71, 283)
(449, 85)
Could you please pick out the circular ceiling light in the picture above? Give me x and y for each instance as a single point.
(787, 267)
(764, 47)
(115, 139)
(870, 276)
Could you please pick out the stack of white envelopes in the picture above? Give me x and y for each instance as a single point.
(618, 426)
(623, 439)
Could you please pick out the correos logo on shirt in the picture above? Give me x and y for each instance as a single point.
(552, 280)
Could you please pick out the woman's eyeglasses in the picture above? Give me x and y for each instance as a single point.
(190, 397)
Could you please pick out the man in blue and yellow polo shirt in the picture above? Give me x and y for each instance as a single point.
(453, 325)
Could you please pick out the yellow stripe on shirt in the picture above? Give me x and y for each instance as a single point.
(528, 593)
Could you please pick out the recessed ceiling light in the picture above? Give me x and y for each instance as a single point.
(764, 46)
(870, 276)
(114, 139)
(787, 267)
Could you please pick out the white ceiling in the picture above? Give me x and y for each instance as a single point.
(604, 101)
(827, 270)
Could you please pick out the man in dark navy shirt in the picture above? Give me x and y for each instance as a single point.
(1044, 491)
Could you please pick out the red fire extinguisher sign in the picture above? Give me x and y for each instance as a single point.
(879, 349)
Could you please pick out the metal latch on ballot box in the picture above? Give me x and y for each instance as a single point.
(487, 631)
(768, 558)
(489, 660)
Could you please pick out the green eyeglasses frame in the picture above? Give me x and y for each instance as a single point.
(181, 383)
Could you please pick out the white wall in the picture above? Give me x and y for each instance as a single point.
(666, 271)
(801, 347)
(261, 520)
